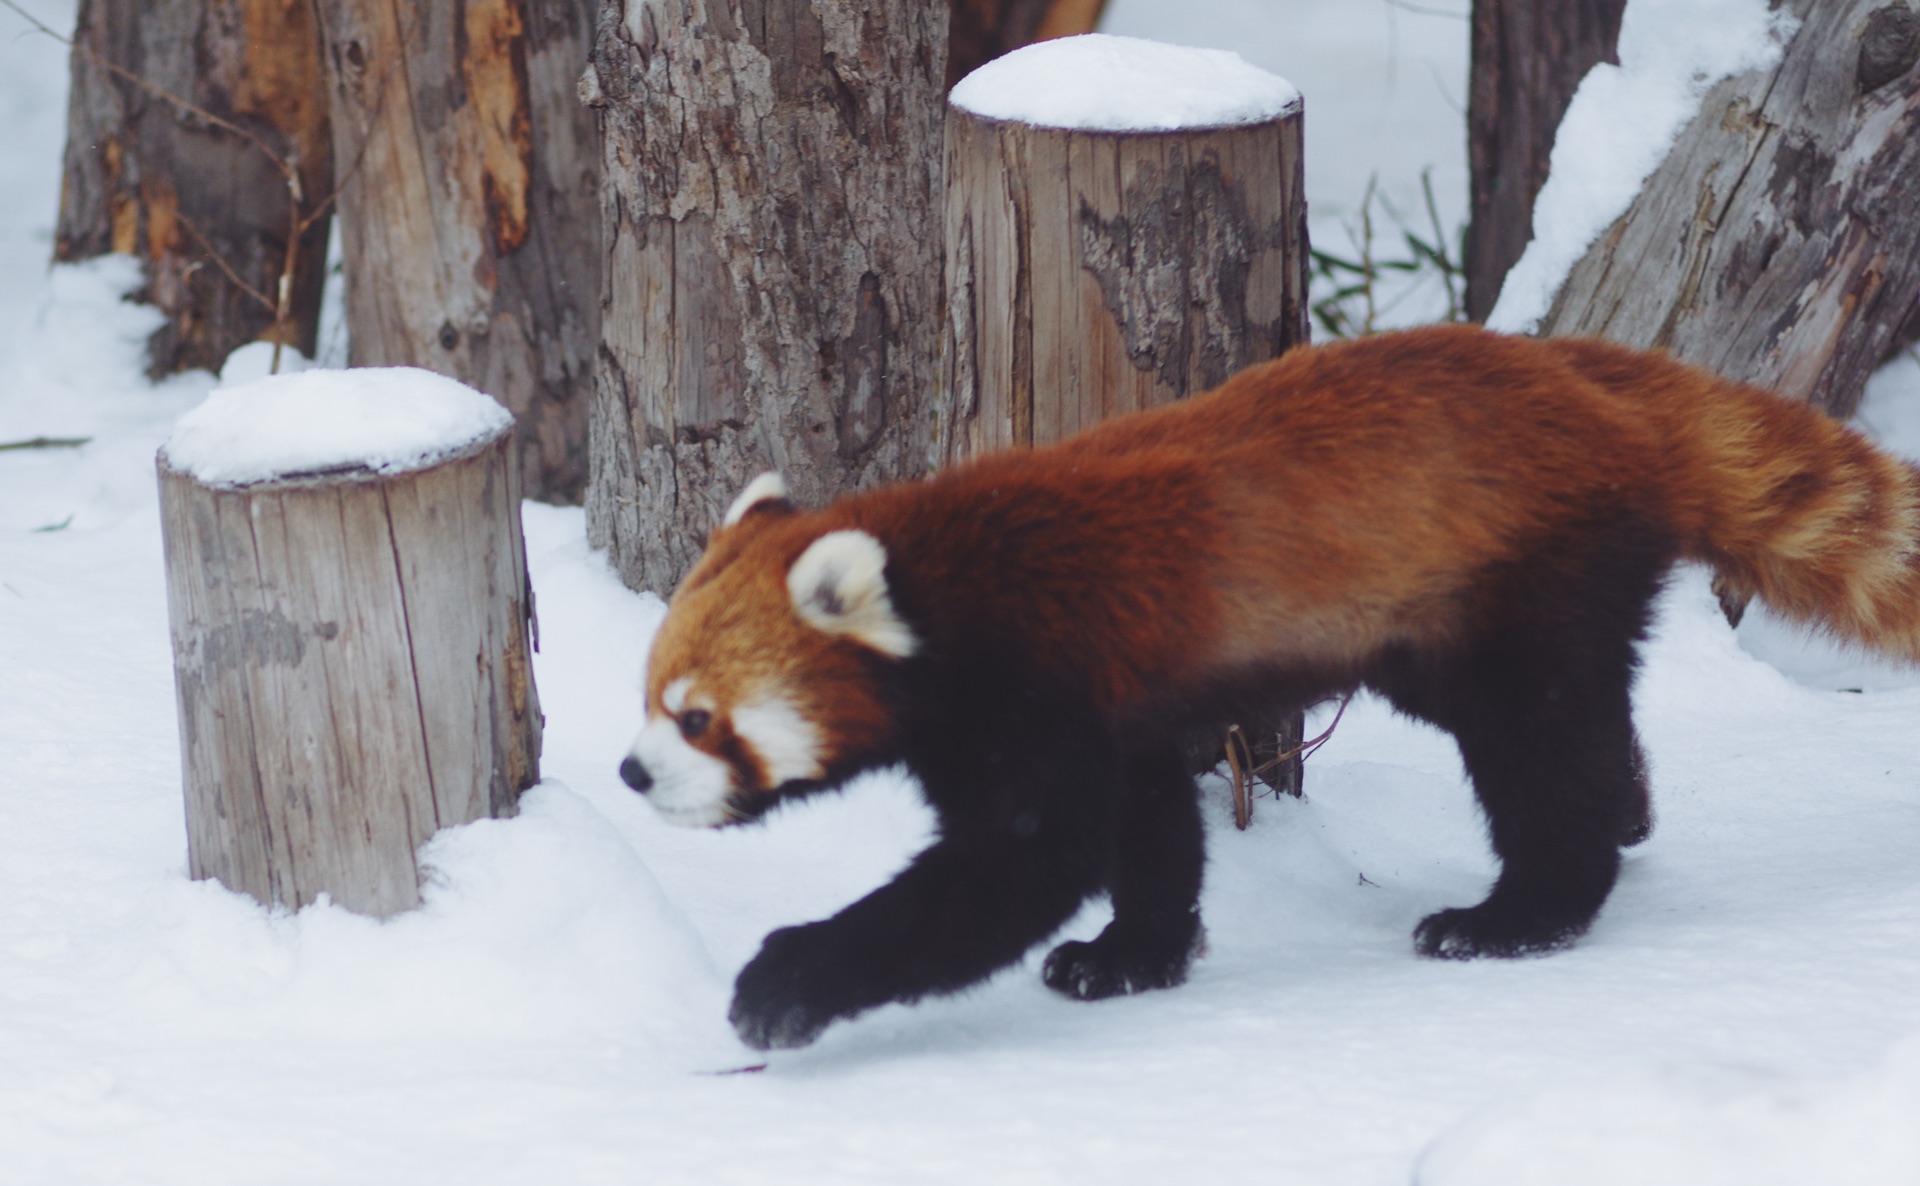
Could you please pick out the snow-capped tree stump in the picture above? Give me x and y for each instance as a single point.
(1126, 225)
(1778, 242)
(350, 637)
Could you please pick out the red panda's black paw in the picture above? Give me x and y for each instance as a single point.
(1100, 969)
(780, 998)
(1474, 932)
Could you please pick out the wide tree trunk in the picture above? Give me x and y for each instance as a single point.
(982, 30)
(773, 260)
(1528, 58)
(469, 209)
(1778, 243)
(207, 209)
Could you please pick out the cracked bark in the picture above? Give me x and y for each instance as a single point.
(772, 271)
(1777, 243)
(143, 179)
(469, 213)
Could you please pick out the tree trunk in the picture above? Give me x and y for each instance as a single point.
(772, 295)
(208, 210)
(1778, 242)
(982, 30)
(1528, 58)
(470, 207)
(352, 664)
(1092, 274)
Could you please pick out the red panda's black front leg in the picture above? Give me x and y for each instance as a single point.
(965, 908)
(1159, 851)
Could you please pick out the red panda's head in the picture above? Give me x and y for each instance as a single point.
(763, 679)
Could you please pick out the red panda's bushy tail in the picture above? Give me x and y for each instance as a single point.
(1784, 502)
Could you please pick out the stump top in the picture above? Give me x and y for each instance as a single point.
(380, 419)
(1099, 82)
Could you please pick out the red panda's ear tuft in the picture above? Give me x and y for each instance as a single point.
(839, 585)
(768, 492)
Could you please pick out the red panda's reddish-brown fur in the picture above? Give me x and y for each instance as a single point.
(1471, 524)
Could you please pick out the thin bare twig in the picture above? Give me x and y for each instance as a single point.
(45, 443)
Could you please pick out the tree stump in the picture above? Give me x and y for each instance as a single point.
(1777, 242)
(352, 667)
(772, 290)
(1095, 270)
(469, 207)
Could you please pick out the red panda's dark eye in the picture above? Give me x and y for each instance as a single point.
(694, 722)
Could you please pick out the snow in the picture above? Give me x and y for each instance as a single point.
(384, 419)
(1621, 123)
(1743, 1010)
(1101, 82)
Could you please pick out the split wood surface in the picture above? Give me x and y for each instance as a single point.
(469, 207)
(1778, 243)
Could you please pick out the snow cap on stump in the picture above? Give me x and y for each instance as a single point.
(1098, 82)
(383, 419)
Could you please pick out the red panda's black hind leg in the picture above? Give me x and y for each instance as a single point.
(1540, 706)
(1158, 853)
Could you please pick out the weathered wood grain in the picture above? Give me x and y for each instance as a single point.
(772, 293)
(351, 661)
(142, 177)
(1778, 242)
(470, 208)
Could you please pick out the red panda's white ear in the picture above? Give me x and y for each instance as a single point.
(839, 585)
(767, 488)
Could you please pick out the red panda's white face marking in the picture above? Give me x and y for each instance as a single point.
(765, 678)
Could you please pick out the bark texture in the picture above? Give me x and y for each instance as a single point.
(351, 661)
(772, 285)
(208, 212)
(1778, 243)
(469, 212)
(1091, 274)
(982, 30)
(1528, 59)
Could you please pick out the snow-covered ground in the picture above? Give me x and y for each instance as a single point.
(1743, 1012)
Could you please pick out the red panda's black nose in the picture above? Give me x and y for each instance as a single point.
(635, 775)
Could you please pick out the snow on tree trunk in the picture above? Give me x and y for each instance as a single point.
(352, 667)
(772, 294)
(470, 211)
(1778, 242)
(1528, 59)
(208, 212)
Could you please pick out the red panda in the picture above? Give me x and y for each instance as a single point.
(1471, 525)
